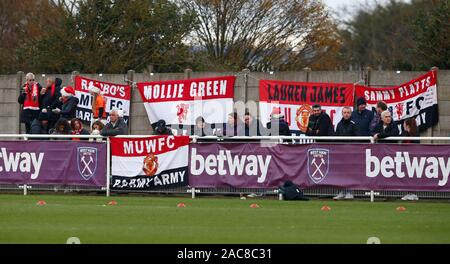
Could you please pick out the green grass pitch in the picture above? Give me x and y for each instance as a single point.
(217, 220)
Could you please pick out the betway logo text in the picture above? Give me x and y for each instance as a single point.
(416, 167)
(24, 162)
(234, 165)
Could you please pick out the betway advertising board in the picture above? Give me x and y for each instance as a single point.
(358, 166)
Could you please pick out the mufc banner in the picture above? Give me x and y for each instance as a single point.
(181, 102)
(149, 163)
(116, 95)
(295, 100)
(415, 99)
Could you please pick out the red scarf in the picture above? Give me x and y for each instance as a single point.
(53, 90)
(32, 99)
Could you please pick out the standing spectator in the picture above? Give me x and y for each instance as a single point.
(387, 128)
(30, 99)
(234, 126)
(362, 117)
(381, 107)
(319, 123)
(77, 128)
(162, 129)
(202, 129)
(116, 125)
(410, 129)
(98, 103)
(346, 127)
(252, 126)
(40, 126)
(50, 95)
(277, 125)
(97, 127)
(69, 104)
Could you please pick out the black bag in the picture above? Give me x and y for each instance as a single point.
(292, 192)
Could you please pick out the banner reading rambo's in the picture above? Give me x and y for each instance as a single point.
(295, 100)
(181, 102)
(114, 96)
(371, 166)
(415, 99)
(149, 163)
(53, 163)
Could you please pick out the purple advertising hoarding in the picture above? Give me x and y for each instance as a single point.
(356, 166)
(53, 162)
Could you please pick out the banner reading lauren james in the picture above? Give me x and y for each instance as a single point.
(363, 166)
(63, 163)
(149, 163)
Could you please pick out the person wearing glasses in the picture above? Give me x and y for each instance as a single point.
(30, 98)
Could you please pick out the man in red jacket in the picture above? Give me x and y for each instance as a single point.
(30, 97)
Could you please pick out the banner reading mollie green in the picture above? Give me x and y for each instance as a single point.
(53, 163)
(356, 166)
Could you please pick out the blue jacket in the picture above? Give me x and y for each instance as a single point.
(362, 121)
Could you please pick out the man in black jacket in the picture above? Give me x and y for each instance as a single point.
(319, 123)
(50, 99)
(386, 128)
(277, 125)
(346, 127)
(116, 126)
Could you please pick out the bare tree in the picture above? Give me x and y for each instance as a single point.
(263, 34)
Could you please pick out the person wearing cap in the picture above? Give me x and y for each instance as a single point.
(30, 98)
(362, 117)
(69, 104)
(277, 125)
(116, 125)
(98, 104)
(162, 129)
(319, 124)
(40, 125)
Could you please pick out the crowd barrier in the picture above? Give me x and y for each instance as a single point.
(84, 165)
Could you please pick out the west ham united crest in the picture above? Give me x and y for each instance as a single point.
(318, 164)
(87, 162)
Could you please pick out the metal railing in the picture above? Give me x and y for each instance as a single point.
(320, 192)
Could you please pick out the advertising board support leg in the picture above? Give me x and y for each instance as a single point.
(372, 194)
(108, 167)
(25, 186)
(193, 193)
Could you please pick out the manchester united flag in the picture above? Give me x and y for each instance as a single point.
(149, 163)
(180, 102)
(415, 99)
(295, 100)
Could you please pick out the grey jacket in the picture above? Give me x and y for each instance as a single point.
(111, 130)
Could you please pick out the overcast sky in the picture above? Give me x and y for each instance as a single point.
(337, 4)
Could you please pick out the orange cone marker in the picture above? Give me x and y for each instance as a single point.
(401, 209)
(325, 208)
(41, 203)
(255, 206)
(181, 205)
(112, 203)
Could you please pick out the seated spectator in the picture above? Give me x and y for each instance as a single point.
(234, 126)
(98, 103)
(62, 127)
(97, 127)
(410, 129)
(346, 127)
(202, 129)
(162, 129)
(387, 128)
(69, 104)
(319, 123)
(40, 126)
(30, 99)
(116, 125)
(362, 117)
(381, 107)
(77, 128)
(252, 126)
(277, 125)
